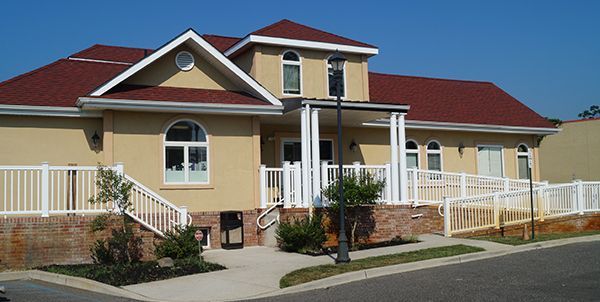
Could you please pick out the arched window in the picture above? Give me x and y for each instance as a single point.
(292, 73)
(434, 156)
(186, 153)
(412, 154)
(331, 81)
(522, 161)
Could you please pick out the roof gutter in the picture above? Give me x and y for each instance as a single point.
(446, 126)
(294, 104)
(25, 110)
(181, 107)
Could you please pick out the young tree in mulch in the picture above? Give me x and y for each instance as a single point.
(360, 191)
(123, 247)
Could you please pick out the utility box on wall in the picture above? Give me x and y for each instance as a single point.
(232, 230)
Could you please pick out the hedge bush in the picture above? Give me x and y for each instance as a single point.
(179, 243)
(301, 235)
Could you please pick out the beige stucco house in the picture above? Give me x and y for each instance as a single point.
(214, 123)
(572, 154)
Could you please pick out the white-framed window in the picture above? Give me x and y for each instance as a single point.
(490, 160)
(291, 70)
(522, 161)
(186, 154)
(291, 150)
(331, 82)
(412, 154)
(434, 156)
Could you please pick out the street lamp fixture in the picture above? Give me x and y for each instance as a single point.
(337, 61)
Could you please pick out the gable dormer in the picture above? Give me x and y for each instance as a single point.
(291, 60)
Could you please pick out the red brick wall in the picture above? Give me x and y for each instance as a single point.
(565, 224)
(390, 221)
(212, 220)
(27, 242)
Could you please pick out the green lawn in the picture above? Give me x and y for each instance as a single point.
(517, 240)
(323, 271)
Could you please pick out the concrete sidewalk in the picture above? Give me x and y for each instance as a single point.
(255, 271)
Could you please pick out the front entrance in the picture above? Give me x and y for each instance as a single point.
(291, 150)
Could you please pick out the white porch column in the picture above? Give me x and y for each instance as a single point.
(316, 158)
(402, 149)
(394, 155)
(305, 145)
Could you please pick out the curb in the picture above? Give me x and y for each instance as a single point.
(413, 266)
(74, 282)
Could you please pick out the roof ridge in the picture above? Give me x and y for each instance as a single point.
(220, 36)
(313, 28)
(24, 75)
(431, 78)
(581, 120)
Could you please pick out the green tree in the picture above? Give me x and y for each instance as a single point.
(592, 112)
(114, 191)
(359, 191)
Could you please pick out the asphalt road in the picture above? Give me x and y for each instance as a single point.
(33, 291)
(565, 273)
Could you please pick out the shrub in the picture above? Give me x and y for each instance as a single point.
(179, 243)
(358, 191)
(123, 247)
(301, 235)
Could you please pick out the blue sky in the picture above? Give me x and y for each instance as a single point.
(544, 53)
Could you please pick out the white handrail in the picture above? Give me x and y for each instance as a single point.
(265, 213)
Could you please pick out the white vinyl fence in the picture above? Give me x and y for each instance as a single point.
(514, 207)
(53, 190)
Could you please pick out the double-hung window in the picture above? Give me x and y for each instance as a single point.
(522, 161)
(186, 154)
(412, 154)
(489, 161)
(292, 150)
(434, 156)
(292, 73)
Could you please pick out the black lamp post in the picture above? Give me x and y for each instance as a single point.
(337, 61)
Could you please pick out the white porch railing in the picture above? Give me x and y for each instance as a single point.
(514, 207)
(329, 175)
(53, 190)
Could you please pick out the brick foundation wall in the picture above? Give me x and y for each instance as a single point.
(565, 224)
(27, 242)
(389, 222)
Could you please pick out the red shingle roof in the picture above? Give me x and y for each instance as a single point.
(442, 100)
(221, 43)
(113, 53)
(57, 84)
(176, 94)
(292, 30)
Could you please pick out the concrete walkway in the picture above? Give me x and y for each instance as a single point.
(255, 271)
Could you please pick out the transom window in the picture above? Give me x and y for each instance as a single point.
(292, 73)
(186, 154)
(412, 154)
(522, 161)
(434, 156)
(489, 161)
(331, 81)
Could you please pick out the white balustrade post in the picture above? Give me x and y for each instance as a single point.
(463, 184)
(315, 158)
(496, 201)
(575, 205)
(388, 182)
(286, 185)
(120, 169)
(297, 184)
(506, 184)
(394, 155)
(580, 200)
(45, 190)
(447, 230)
(324, 175)
(415, 185)
(263, 186)
(356, 168)
(402, 172)
(542, 198)
(183, 216)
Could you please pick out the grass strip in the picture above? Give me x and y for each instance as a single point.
(312, 273)
(518, 240)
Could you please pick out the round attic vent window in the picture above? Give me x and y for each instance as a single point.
(184, 60)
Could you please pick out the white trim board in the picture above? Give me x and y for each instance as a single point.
(300, 44)
(182, 107)
(47, 111)
(222, 63)
(446, 126)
